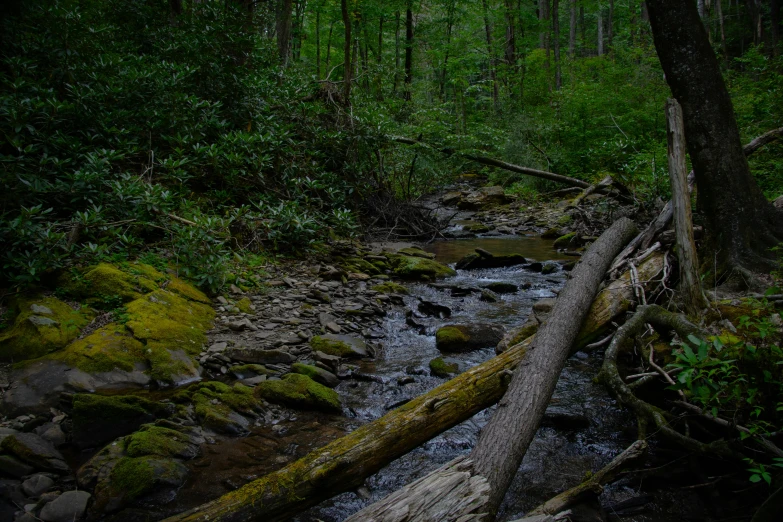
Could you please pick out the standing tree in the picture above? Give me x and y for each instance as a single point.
(741, 224)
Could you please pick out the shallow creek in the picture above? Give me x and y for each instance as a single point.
(583, 429)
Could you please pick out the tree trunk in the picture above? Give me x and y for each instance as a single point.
(600, 26)
(329, 48)
(572, 31)
(741, 224)
(490, 467)
(719, 13)
(408, 50)
(690, 284)
(556, 31)
(774, 17)
(582, 29)
(754, 12)
(347, 68)
(444, 69)
(284, 14)
(318, 44)
(701, 8)
(343, 464)
(490, 54)
(396, 52)
(610, 26)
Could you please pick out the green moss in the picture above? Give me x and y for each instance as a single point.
(88, 407)
(107, 349)
(105, 280)
(409, 267)
(134, 477)
(187, 291)
(331, 347)
(155, 440)
(43, 325)
(416, 252)
(451, 335)
(174, 322)
(214, 403)
(552, 233)
(565, 240)
(391, 287)
(356, 264)
(440, 368)
(299, 391)
(564, 219)
(244, 305)
(249, 370)
(476, 228)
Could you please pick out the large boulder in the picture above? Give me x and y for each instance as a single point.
(339, 345)
(100, 418)
(68, 507)
(34, 451)
(223, 408)
(466, 337)
(483, 259)
(300, 391)
(418, 268)
(317, 374)
(484, 198)
(42, 325)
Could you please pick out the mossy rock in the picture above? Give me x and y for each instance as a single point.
(552, 233)
(107, 281)
(565, 219)
(42, 326)
(440, 368)
(246, 371)
(391, 287)
(186, 290)
(101, 418)
(300, 391)
(132, 478)
(107, 349)
(416, 252)
(476, 228)
(502, 287)
(409, 267)
(339, 345)
(160, 441)
(244, 305)
(219, 406)
(566, 240)
(465, 337)
(317, 374)
(356, 264)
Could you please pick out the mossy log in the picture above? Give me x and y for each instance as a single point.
(343, 464)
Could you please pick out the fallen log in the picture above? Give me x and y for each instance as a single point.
(505, 439)
(492, 162)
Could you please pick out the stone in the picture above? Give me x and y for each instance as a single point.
(483, 198)
(339, 345)
(434, 309)
(36, 451)
(330, 361)
(249, 355)
(53, 433)
(299, 391)
(550, 268)
(466, 337)
(501, 287)
(98, 419)
(488, 296)
(419, 268)
(483, 259)
(544, 305)
(14, 467)
(317, 374)
(441, 368)
(37, 485)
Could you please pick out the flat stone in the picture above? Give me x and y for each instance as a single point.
(250, 355)
(218, 347)
(68, 507)
(36, 485)
(42, 321)
(41, 309)
(35, 450)
(14, 467)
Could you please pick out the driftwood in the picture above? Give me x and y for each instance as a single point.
(504, 441)
(492, 162)
(593, 485)
(690, 284)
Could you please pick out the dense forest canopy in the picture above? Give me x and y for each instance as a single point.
(117, 115)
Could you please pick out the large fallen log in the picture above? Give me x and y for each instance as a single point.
(492, 162)
(504, 440)
(343, 464)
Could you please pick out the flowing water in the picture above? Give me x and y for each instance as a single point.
(582, 431)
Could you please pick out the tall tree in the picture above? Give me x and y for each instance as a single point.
(572, 30)
(556, 32)
(490, 54)
(610, 26)
(284, 15)
(408, 49)
(741, 224)
(543, 19)
(600, 26)
(347, 68)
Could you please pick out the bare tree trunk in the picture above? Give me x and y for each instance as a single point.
(444, 69)
(754, 10)
(556, 31)
(582, 29)
(702, 9)
(690, 284)
(347, 68)
(600, 24)
(774, 16)
(510, 45)
(572, 31)
(329, 47)
(544, 16)
(719, 13)
(408, 50)
(610, 26)
(318, 44)
(396, 52)
(490, 55)
(284, 14)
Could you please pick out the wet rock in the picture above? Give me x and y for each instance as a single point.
(466, 337)
(549, 268)
(552, 233)
(299, 391)
(248, 371)
(501, 287)
(317, 374)
(451, 199)
(339, 345)
(567, 240)
(489, 296)
(534, 267)
(256, 356)
(330, 361)
(53, 433)
(35, 451)
(485, 197)
(68, 507)
(411, 321)
(410, 267)
(544, 306)
(566, 419)
(391, 287)
(98, 419)
(483, 259)
(416, 252)
(402, 381)
(434, 309)
(37, 485)
(14, 467)
(441, 368)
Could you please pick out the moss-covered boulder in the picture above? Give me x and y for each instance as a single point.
(132, 478)
(100, 418)
(339, 345)
(567, 240)
(390, 287)
(42, 325)
(483, 259)
(441, 368)
(502, 287)
(300, 391)
(419, 268)
(160, 441)
(356, 264)
(317, 374)
(551, 233)
(416, 252)
(223, 408)
(466, 337)
(244, 305)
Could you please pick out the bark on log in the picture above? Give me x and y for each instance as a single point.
(690, 284)
(498, 163)
(504, 441)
